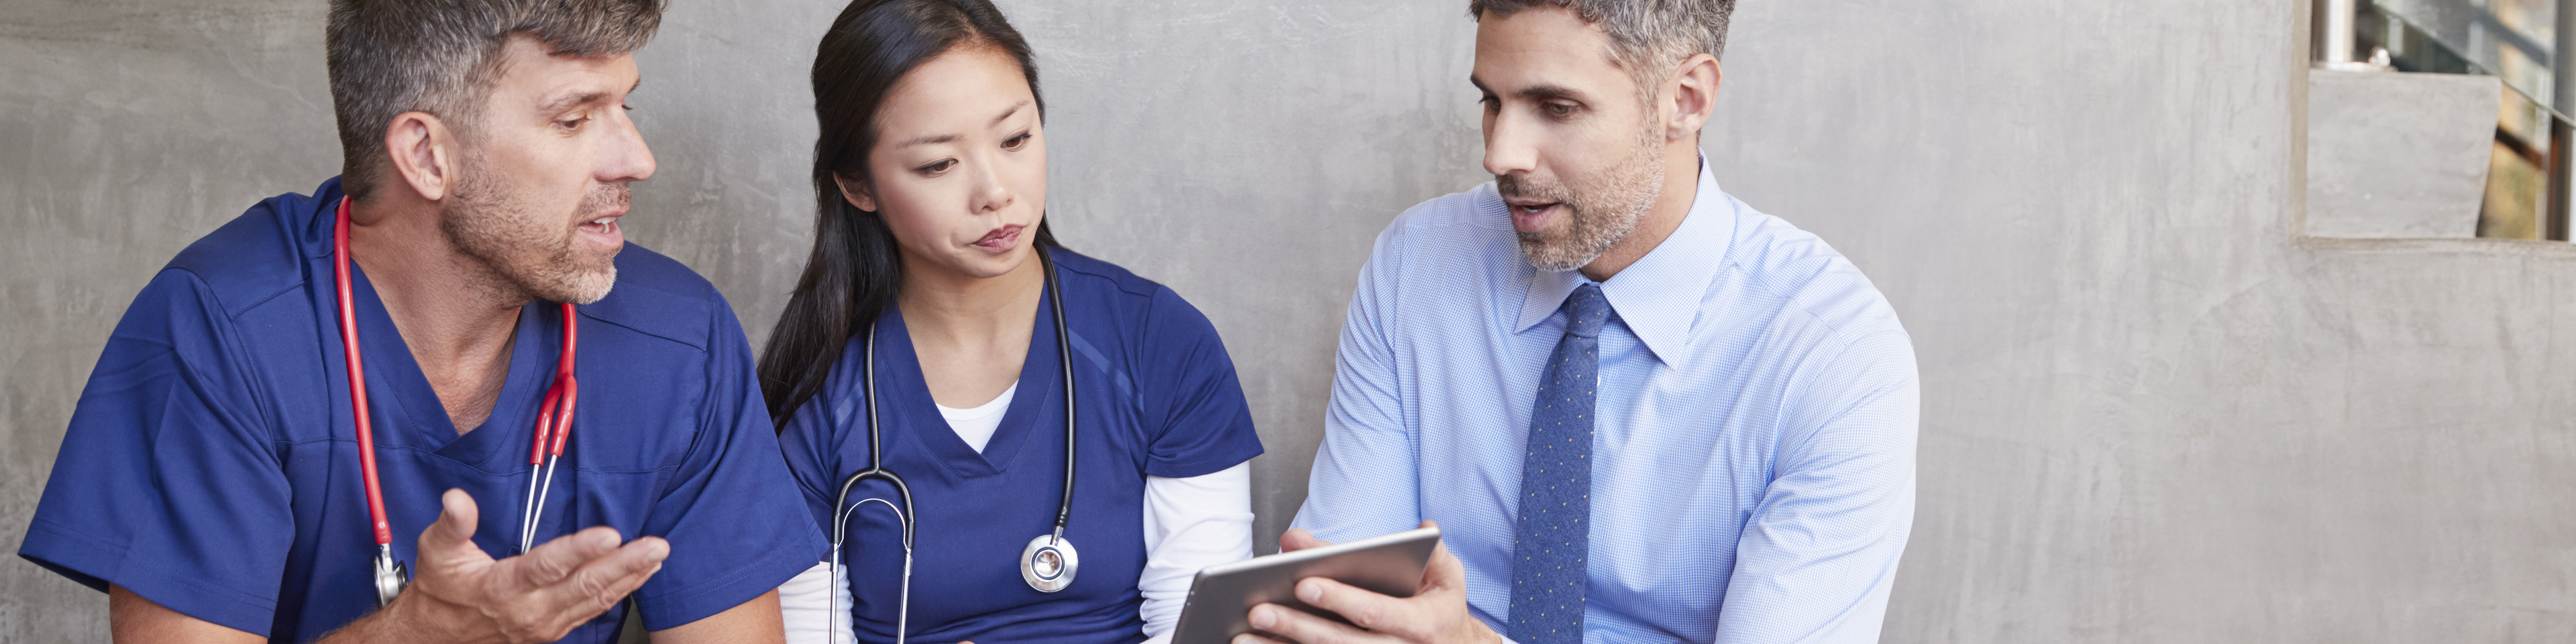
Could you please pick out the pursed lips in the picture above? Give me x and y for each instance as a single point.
(1000, 239)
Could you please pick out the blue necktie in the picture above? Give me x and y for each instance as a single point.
(1551, 536)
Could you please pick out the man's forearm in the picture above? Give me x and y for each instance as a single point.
(406, 621)
(133, 619)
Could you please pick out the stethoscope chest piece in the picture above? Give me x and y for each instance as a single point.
(1049, 562)
(390, 578)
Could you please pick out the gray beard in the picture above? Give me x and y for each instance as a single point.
(1602, 211)
(517, 248)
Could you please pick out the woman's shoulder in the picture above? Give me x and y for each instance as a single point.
(1084, 272)
(1141, 308)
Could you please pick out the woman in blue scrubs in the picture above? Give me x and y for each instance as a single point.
(930, 178)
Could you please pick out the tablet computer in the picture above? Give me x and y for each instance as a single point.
(1222, 594)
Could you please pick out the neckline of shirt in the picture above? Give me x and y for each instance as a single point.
(990, 408)
(1656, 298)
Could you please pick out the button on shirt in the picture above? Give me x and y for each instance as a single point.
(1753, 456)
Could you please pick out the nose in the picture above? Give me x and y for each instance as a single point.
(1508, 145)
(992, 193)
(626, 158)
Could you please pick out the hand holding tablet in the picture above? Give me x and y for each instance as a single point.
(1404, 586)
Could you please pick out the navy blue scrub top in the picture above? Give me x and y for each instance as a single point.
(1158, 397)
(212, 463)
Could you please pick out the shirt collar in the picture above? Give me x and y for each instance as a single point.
(1659, 296)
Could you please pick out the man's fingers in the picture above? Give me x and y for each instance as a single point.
(1248, 638)
(595, 586)
(457, 517)
(1297, 625)
(1443, 571)
(1296, 539)
(552, 561)
(448, 543)
(1368, 609)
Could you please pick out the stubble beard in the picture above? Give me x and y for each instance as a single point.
(525, 253)
(1600, 210)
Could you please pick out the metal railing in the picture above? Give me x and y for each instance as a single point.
(2484, 43)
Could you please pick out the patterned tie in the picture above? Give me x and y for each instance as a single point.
(1556, 483)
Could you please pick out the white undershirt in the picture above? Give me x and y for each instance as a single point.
(976, 424)
(1190, 523)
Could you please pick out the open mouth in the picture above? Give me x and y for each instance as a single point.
(604, 230)
(1533, 216)
(1000, 239)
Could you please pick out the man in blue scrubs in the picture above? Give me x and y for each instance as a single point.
(210, 480)
(1640, 410)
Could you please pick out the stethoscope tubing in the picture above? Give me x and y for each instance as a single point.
(842, 509)
(554, 420)
(384, 531)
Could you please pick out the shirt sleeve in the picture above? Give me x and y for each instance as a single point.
(1818, 556)
(811, 440)
(807, 603)
(1207, 425)
(1367, 472)
(167, 483)
(736, 524)
(1190, 524)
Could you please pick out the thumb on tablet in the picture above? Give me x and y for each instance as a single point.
(1443, 572)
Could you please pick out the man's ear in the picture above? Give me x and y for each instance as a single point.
(423, 152)
(1693, 96)
(856, 192)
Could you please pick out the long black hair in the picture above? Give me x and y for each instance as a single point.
(855, 270)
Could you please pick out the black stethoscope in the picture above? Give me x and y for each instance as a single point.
(554, 423)
(1049, 561)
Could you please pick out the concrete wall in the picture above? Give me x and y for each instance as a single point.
(2152, 412)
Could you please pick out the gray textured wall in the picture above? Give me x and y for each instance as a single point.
(2152, 413)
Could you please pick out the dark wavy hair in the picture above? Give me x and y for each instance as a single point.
(855, 269)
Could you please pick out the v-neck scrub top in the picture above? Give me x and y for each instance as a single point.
(1158, 397)
(212, 467)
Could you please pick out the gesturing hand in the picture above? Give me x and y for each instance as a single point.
(461, 594)
(1435, 614)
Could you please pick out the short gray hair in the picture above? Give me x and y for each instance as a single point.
(388, 57)
(1647, 37)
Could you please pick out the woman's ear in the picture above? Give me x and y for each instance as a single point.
(856, 192)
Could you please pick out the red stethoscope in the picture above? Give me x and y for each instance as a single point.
(554, 423)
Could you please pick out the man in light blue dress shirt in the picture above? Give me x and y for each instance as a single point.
(1639, 410)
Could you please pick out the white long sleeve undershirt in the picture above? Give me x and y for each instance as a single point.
(1190, 523)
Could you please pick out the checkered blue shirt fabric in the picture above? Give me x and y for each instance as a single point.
(1753, 423)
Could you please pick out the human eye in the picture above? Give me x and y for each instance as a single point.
(1016, 141)
(1559, 109)
(934, 168)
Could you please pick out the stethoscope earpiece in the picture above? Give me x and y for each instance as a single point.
(1048, 564)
